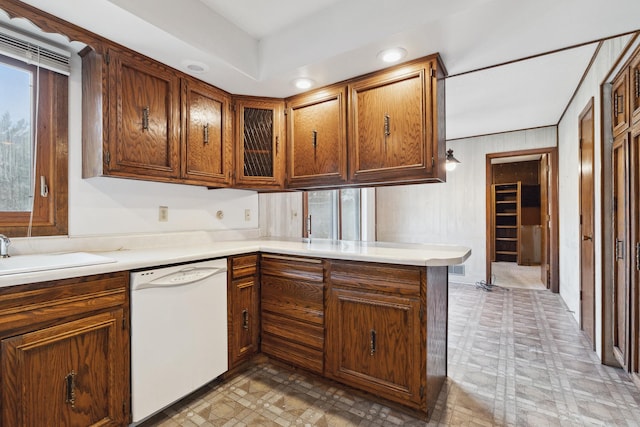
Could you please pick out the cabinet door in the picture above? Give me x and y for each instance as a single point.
(144, 131)
(244, 325)
(72, 374)
(317, 140)
(207, 138)
(635, 88)
(392, 125)
(620, 103)
(259, 145)
(374, 343)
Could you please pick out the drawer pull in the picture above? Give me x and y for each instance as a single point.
(245, 319)
(372, 342)
(205, 131)
(145, 118)
(70, 380)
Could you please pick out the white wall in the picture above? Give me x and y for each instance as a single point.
(110, 205)
(453, 212)
(569, 170)
(281, 214)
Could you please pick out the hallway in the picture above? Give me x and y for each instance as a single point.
(516, 358)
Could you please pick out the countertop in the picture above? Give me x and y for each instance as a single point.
(133, 259)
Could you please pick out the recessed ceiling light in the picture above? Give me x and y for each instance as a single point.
(195, 67)
(392, 55)
(303, 83)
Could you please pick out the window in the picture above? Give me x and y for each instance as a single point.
(335, 214)
(33, 150)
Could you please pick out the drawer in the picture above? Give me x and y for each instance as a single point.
(294, 299)
(243, 266)
(396, 279)
(299, 268)
(294, 353)
(293, 330)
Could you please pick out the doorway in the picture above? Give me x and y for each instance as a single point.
(587, 226)
(522, 238)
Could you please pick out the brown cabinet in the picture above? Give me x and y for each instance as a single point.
(635, 88)
(317, 138)
(207, 145)
(130, 117)
(396, 121)
(374, 329)
(293, 310)
(620, 103)
(243, 307)
(65, 352)
(258, 143)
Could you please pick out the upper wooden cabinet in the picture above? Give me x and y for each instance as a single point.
(130, 117)
(635, 88)
(207, 155)
(258, 143)
(396, 121)
(317, 138)
(620, 103)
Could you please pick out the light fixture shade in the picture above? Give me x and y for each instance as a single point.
(392, 55)
(451, 161)
(303, 83)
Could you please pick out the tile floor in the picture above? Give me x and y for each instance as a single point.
(516, 358)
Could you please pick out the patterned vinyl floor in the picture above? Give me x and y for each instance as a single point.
(516, 358)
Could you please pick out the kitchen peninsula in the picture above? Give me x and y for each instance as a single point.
(369, 315)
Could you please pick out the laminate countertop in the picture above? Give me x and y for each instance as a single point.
(40, 267)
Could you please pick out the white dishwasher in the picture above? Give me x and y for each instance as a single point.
(178, 332)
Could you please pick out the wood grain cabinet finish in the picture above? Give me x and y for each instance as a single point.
(130, 116)
(259, 146)
(396, 121)
(378, 316)
(65, 352)
(317, 138)
(635, 87)
(243, 306)
(293, 310)
(207, 133)
(620, 103)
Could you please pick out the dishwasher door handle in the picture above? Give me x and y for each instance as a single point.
(183, 277)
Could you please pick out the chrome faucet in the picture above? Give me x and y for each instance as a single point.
(4, 246)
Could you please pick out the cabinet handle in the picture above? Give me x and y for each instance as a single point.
(387, 125)
(145, 118)
(277, 144)
(70, 381)
(619, 104)
(205, 130)
(587, 237)
(619, 249)
(638, 256)
(372, 342)
(245, 319)
(314, 138)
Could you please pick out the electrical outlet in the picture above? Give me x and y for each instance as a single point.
(163, 214)
(247, 214)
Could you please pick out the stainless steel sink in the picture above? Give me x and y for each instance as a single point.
(40, 262)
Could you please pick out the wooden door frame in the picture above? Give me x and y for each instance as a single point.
(590, 107)
(554, 270)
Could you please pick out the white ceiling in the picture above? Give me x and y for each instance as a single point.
(259, 47)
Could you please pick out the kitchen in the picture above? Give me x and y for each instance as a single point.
(127, 210)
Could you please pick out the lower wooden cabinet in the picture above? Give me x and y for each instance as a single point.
(374, 329)
(65, 352)
(243, 308)
(374, 343)
(293, 310)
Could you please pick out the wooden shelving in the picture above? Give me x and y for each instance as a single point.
(506, 204)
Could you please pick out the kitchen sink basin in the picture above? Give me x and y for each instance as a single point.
(39, 262)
